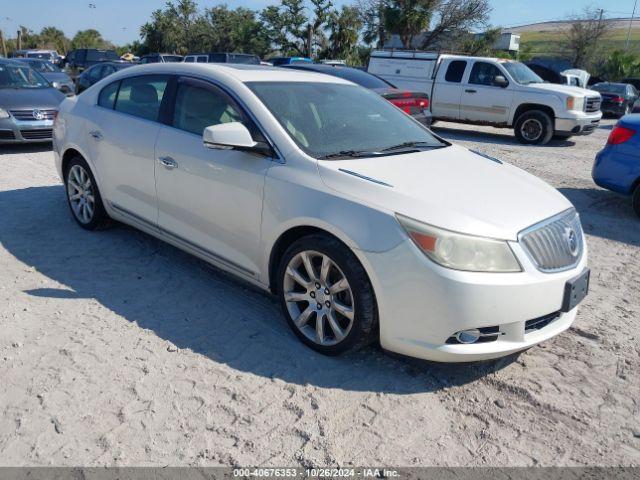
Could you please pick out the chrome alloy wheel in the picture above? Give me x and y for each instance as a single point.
(531, 129)
(318, 298)
(81, 194)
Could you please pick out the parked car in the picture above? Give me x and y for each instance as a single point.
(365, 224)
(50, 56)
(80, 59)
(491, 91)
(617, 165)
(56, 77)
(415, 104)
(633, 81)
(618, 99)
(278, 61)
(98, 72)
(28, 104)
(160, 58)
(573, 77)
(222, 58)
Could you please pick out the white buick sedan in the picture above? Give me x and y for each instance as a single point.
(364, 223)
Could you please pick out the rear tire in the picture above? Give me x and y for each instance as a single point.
(534, 127)
(336, 293)
(635, 201)
(83, 195)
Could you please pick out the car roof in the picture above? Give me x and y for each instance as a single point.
(240, 72)
(11, 61)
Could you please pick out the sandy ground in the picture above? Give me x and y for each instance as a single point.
(117, 349)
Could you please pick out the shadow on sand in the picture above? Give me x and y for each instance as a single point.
(192, 304)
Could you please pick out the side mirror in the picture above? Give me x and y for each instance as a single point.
(233, 136)
(500, 81)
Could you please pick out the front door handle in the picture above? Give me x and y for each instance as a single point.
(96, 134)
(168, 163)
(471, 91)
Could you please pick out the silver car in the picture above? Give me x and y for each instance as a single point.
(28, 104)
(52, 73)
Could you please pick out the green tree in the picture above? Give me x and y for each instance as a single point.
(408, 18)
(620, 65)
(171, 29)
(479, 45)
(52, 37)
(89, 38)
(581, 40)
(456, 16)
(344, 27)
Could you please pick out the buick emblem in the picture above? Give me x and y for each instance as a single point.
(38, 115)
(572, 241)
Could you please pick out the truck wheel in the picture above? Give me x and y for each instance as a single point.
(534, 127)
(636, 200)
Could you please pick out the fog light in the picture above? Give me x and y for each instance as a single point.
(468, 336)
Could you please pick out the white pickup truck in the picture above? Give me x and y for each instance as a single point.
(492, 91)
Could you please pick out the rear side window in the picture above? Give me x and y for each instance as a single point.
(189, 59)
(142, 96)
(107, 96)
(455, 71)
(202, 59)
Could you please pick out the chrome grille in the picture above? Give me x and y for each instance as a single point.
(592, 104)
(555, 244)
(30, 115)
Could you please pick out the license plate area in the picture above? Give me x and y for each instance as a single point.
(575, 290)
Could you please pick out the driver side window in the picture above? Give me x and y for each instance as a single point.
(484, 73)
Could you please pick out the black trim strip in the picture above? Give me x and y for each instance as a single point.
(180, 239)
(364, 177)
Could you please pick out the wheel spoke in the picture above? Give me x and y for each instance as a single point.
(324, 270)
(91, 198)
(297, 277)
(296, 297)
(89, 209)
(85, 214)
(75, 196)
(340, 286)
(308, 266)
(338, 333)
(343, 309)
(303, 318)
(320, 329)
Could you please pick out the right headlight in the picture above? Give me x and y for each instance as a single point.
(3, 114)
(575, 103)
(460, 251)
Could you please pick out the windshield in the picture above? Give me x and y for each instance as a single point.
(14, 76)
(339, 120)
(41, 55)
(98, 55)
(43, 66)
(617, 88)
(521, 73)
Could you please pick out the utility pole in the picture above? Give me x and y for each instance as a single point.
(310, 40)
(626, 46)
(2, 44)
(19, 42)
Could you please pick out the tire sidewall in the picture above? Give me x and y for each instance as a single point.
(99, 213)
(364, 325)
(545, 121)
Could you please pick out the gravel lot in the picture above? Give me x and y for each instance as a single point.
(117, 349)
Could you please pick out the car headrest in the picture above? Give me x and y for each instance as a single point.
(144, 93)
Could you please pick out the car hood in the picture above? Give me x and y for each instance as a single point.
(564, 89)
(57, 77)
(451, 188)
(24, 98)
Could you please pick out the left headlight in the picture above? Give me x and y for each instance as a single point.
(575, 103)
(3, 113)
(459, 251)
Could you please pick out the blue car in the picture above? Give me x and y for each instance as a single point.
(617, 165)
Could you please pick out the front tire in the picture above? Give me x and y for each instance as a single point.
(326, 295)
(635, 201)
(534, 127)
(83, 195)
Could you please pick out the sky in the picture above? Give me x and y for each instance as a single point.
(119, 20)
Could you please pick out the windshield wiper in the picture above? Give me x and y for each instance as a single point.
(348, 154)
(412, 145)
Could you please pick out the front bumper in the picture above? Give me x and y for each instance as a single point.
(14, 131)
(583, 124)
(422, 305)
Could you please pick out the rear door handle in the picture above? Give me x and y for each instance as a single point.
(96, 134)
(168, 163)
(470, 91)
